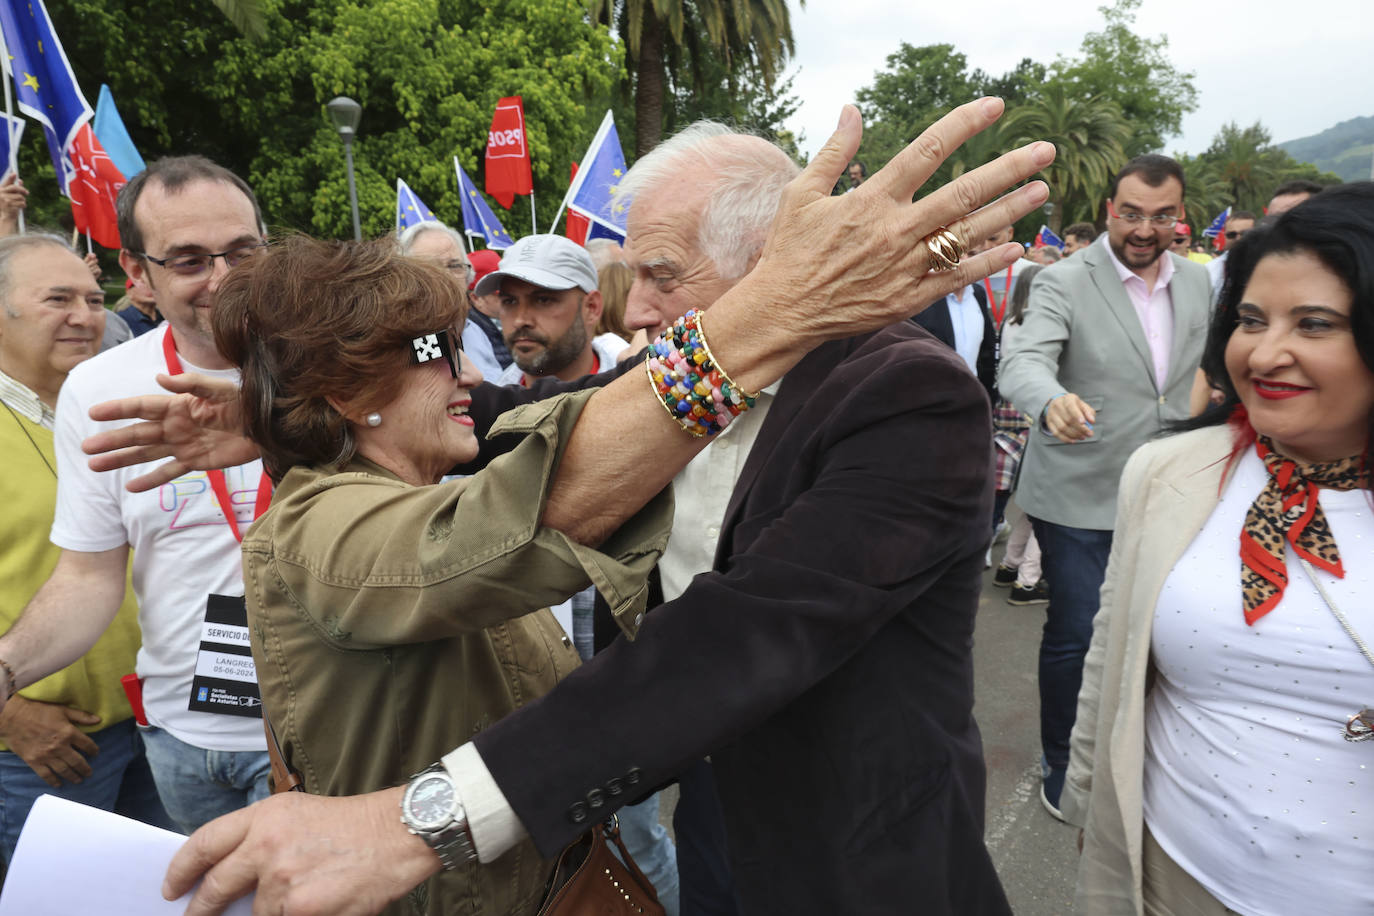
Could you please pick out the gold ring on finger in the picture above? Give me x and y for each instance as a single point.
(944, 248)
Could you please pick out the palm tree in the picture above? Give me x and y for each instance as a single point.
(656, 31)
(246, 15)
(1245, 159)
(1090, 135)
(1206, 193)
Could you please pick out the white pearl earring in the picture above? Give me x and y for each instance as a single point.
(374, 420)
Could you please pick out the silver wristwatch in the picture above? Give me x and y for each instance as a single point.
(431, 810)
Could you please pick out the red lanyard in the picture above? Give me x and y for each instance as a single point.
(999, 309)
(217, 484)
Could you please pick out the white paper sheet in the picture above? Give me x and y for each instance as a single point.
(75, 859)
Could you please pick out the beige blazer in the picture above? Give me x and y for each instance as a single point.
(1168, 489)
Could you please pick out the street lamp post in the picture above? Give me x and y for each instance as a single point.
(344, 113)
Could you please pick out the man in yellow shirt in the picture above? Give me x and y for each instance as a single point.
(71, 734)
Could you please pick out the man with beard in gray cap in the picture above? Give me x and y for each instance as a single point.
(549, 309)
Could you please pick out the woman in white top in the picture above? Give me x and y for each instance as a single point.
(1212, 763)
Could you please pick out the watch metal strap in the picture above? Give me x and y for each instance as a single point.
(453, 841)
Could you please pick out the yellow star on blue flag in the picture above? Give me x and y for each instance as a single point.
(597, 182)
(409, 208)
(47, 92)
(476, 212)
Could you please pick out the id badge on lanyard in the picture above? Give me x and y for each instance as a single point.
(226, 680)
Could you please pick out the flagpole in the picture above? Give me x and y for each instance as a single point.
(88, 239)
(576, 184)
(9, 125)
(533, 229)
(462, 190)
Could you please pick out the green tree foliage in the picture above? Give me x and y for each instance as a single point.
(427, 73)
(1205, 191)
(673, 42)
(1089, 135)
(246, 15)
(1133, 71)
(1343, 149)
(918, 87)
(1248, 166)
(1121, 96)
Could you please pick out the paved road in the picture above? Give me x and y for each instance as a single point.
(1035, 855)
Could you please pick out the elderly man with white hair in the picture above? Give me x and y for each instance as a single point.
(824, 659)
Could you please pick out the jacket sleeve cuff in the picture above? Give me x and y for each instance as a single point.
(491, 820)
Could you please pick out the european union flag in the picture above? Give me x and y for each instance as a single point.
(410, 209)
(1046, 237)
(478, 220)
(9, 144)
(1218, 224)
(592, 193)
(46, 87)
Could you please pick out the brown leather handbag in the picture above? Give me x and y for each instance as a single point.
(590, 881)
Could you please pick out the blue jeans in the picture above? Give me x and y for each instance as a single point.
(1074, 560)
(119, 782)
(198, 785)
(651, 848)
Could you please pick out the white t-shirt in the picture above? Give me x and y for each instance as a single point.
(183, 548)
(606, 347)
(1249, 784)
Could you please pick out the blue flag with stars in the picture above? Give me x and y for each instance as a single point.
(1218, 224)
(1046, 238)
(592, 193)
(45, 86)
(410, 209)
(478, 220)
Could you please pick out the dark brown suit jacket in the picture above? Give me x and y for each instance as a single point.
(825, 664)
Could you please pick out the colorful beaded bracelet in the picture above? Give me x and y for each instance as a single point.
(690, 384)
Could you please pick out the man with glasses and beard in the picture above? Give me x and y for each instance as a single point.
(1104, 359)
(182, 223)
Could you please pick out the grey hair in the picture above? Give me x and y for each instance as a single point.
(603, 251)
(406, 241)
(12, 245)
(748, 175)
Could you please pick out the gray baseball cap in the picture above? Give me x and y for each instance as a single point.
(550, 261)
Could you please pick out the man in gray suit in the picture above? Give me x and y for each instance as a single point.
(1104, 359)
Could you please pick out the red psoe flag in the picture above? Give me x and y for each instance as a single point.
(508, 155)
(93, 188)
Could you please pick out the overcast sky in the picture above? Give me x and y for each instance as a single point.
(1297, 67)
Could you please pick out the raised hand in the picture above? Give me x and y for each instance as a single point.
(200, 427)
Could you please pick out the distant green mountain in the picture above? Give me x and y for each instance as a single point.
(1345, 149)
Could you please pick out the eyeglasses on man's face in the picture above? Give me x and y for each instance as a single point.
(1234, 234)
(194, 264)
(1133, 219)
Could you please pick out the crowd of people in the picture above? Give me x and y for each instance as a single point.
(499, 545)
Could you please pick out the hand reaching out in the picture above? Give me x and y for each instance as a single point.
(200, 427)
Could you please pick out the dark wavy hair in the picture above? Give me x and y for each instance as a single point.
(310, 320)
(1337, 228)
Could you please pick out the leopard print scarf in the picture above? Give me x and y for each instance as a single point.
(1287, 509)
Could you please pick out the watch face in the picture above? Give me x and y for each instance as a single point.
(431, 801)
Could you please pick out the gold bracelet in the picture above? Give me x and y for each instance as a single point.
(696, 433)
(701, 335)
